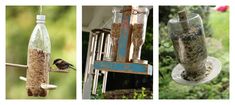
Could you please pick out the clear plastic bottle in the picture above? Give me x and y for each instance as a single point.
(39, 49)
(116, 30)
(189, 43)
(140, 16)
(107, 45)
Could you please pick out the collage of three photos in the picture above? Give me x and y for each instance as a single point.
(117, 52)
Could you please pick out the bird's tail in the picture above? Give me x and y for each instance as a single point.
(72, 67)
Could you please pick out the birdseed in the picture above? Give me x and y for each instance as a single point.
(38, 72)
(191, 52)
(137, 40)
(116, 31)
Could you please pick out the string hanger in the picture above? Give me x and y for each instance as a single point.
(40, 10)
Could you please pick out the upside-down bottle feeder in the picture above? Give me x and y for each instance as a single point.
(140, 16)
(112, 48)
(195, 66)
(136, 37)
(115, 32)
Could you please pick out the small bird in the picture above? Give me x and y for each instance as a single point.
(62, 65)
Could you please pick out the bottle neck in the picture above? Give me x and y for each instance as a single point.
(40, 19)
(40, 22)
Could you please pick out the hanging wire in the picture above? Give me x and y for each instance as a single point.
(40, 10)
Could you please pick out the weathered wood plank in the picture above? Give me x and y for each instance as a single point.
(132, 68)
(124, 41)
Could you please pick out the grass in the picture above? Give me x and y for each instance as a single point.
(219, 22)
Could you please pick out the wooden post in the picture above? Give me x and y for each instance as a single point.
(124, 41)
(106, 57)
(88, 78)
(98, 57)
(184, 20)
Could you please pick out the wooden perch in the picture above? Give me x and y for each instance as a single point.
(48, 86)
(58, 70)
(16, 65)
(43, 85)
(184, 20)
(37, 77)
(23, 78)
(25, 66)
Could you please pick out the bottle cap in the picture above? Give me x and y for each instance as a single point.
(41, 18)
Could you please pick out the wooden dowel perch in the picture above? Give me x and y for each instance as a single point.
(23, 78)
(43, 85)
(48, 86)
(37, 77)
(25, 66)
(16, 65)
(184, 20)
(58, 70)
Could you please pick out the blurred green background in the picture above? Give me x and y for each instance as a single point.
(216, 26)
(61, 25)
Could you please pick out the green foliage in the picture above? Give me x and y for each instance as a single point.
(138, 95)
(99, 94)
(217, 32)
(61, 25)
(141, 95)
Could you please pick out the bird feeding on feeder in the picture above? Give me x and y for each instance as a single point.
(62, 65)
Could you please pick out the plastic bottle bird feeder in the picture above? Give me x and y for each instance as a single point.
(111, 51)
(116, 31)
(39, 50)
(38, 61)
(140, 16)
(195, 66)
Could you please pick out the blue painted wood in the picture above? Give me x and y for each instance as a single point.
(124, 41)
(132, 68)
